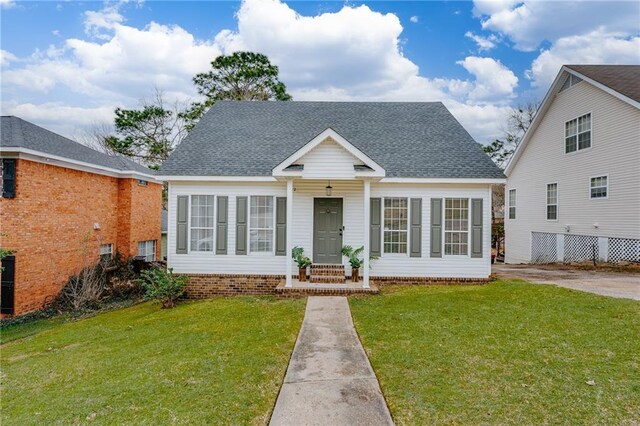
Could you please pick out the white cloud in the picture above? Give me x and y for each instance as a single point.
(529, 23)
(484, 43)
(597, 47)
(494, 82)
(6, 57)
(7, 4)
(414, 19)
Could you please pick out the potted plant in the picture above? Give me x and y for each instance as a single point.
(355, 261)
(297, 254)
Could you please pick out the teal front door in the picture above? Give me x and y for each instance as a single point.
(327, 230)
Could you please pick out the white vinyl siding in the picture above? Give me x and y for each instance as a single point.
(512, 204)
(599, 187)
(616, 154)
(396, 219)
(261, 224)
(552, 201)
(147, 249)
(578, 133)
(456, 226)
(201, 222)
(351, 192)
(329, 160)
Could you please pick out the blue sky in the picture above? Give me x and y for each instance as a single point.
(66, 65)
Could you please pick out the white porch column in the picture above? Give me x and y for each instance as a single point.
(367, 219)
(288, 282)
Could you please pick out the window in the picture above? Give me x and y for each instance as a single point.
(512, 204)
(577, 134)
(599, 187)
(202, 223)
(147, 249)
(571, 81)
(261, 224)
(552, 201)
(106, 253)
(142, 182)
(456, 226)
(396, 212)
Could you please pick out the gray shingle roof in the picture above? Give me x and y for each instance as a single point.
(16, 132)
(408, 139)
(624, 79)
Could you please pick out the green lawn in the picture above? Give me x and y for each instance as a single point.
(219, 361)
(503, 353)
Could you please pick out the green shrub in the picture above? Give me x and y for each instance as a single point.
(297, 254)
(160, 284)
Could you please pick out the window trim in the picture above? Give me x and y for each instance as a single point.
(110, 253)
(444, 227)
(564, 131)
(589, 187)
(546, 196)
(273, 229)
(382, 230)
(515, 206)
(155, 248)
(212, 251)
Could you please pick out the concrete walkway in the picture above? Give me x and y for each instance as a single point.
(329, 380)
(613, 284)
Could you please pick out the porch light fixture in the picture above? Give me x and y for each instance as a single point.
(328, 189)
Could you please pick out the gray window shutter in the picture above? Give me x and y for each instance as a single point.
(181, 224)
(241, 225)
(375, 226)
(416, 228)
(476, 227)
(221, 225)
(281, 226)
(436, 227)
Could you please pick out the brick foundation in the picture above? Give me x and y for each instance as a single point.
(382, 281)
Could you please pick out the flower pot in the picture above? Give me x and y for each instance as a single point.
(302, 274)
(355, 274)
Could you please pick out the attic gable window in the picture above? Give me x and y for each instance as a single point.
(571, 81)
(577, 134)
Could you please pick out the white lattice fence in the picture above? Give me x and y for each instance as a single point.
(624, 249)
(578, 248)
(543, 247)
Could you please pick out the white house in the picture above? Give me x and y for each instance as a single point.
(573, 188)
(255, 179)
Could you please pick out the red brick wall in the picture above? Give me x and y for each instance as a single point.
(50, 225)
(202, 286)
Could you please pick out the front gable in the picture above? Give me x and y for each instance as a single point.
(328, 156)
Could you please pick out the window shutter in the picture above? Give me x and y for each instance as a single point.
(416, 228)
(375, 227)
(241, 225)
(221, 225)
(8, 177)
(436, 227)
(281, 226)
(8, 284)
(181, 224)
(476, 227)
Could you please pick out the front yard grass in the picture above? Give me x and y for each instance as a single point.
(218, 361)
(507, 352)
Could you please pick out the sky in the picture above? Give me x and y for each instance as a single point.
(66, 65)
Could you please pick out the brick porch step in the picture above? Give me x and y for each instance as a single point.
(327, 273)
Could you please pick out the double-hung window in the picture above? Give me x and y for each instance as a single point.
(106, 253)
(456, 226)
(512, 204)
(147, 249)
(396, 213)
(202, 223)
(577, 134)
(261, 224)
(599, 187)
(552, 201)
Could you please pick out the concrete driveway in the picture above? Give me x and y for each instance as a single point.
(613, 284)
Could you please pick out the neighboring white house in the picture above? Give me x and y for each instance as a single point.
(573, 188)
(255, 179)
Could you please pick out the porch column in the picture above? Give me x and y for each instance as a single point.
(367, 220)
(288, 282)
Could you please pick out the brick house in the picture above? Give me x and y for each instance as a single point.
(64, 206)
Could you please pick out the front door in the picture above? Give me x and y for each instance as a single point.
(327, 230)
